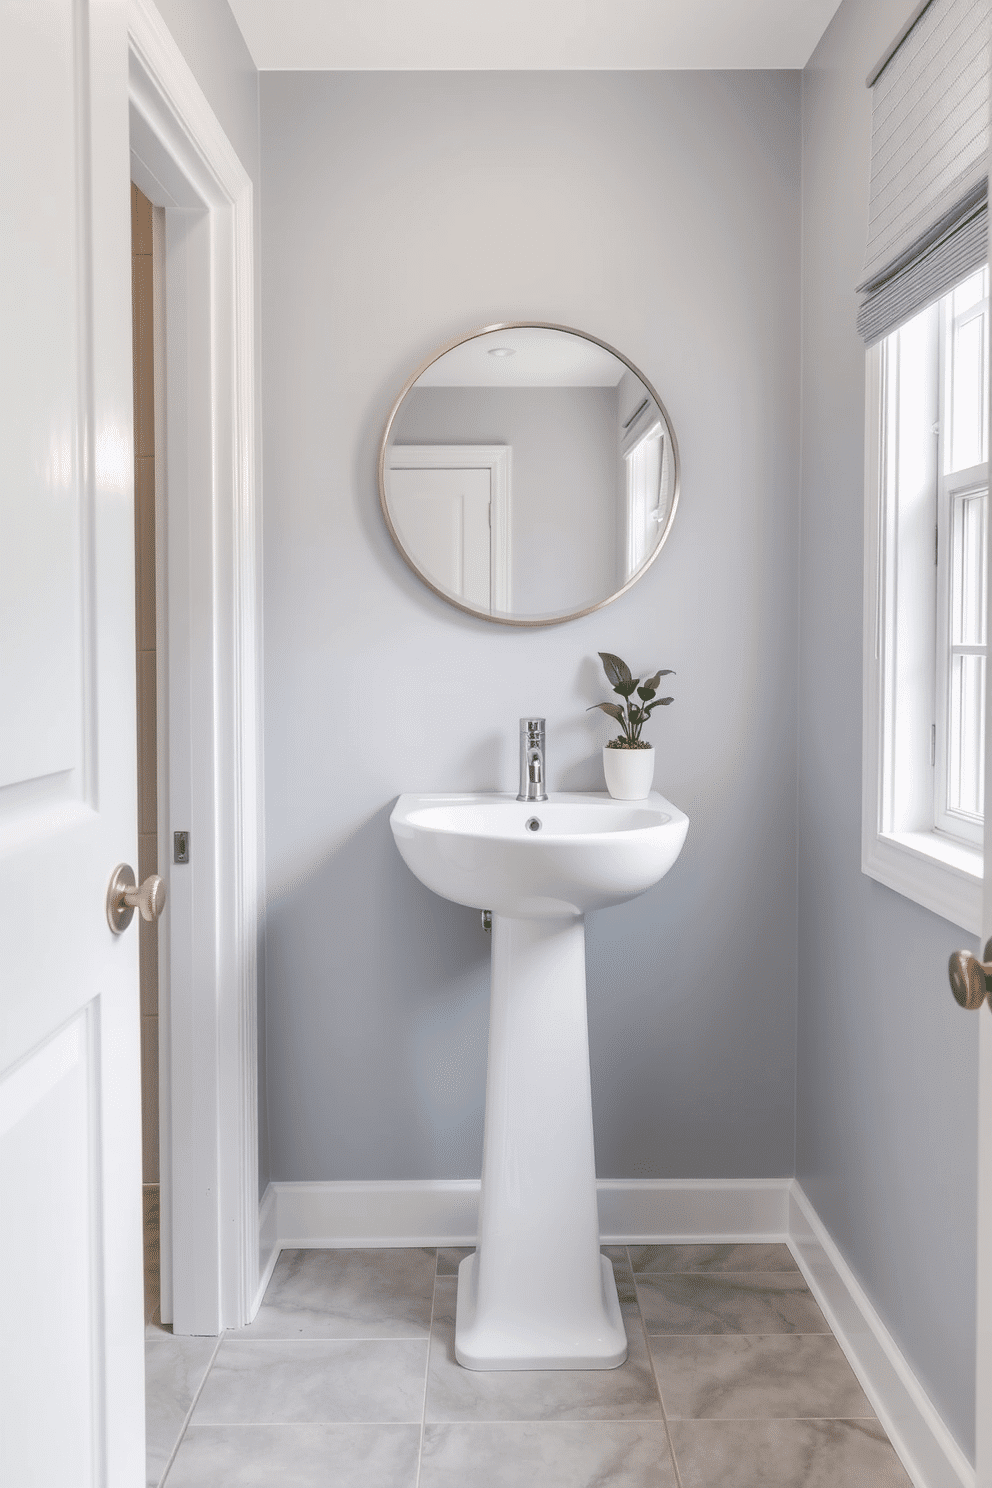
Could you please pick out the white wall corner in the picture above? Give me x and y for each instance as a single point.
(925, 1445)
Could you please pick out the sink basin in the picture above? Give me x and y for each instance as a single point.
(537, 1293)
(586, 851)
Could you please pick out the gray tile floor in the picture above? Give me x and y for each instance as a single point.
(347, 1379)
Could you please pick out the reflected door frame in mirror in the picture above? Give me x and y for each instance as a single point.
(645, 422)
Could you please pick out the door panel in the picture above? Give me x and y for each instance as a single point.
(71, 1400)
(46, 1126)
(443, 520)
(40, 560)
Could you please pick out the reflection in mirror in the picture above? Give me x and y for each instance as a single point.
(529, 474)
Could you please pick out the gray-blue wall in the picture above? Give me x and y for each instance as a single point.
(887, 1066)
(660, 212)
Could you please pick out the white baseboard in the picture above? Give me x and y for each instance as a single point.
(445, 1211)
(915, 1428)
(692, 1210)
(439, 1211)
(637, 1212)
(268, 1245)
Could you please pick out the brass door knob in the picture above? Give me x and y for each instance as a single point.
(970, 977)
(124, 896)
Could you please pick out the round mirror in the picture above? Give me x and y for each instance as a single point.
(528, 473)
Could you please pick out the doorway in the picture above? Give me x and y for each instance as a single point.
(208, 689)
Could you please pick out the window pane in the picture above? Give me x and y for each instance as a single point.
(644, 470)
(966, 755)
(969, 293)
(969, 515)
(969, 363)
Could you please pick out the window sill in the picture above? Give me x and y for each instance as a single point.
(934, 871)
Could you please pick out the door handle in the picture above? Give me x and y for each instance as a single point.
(124, 896)
(970, 978)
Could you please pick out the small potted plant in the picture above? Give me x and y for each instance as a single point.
(628, 761)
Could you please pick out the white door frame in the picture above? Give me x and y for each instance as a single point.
(492, 457)
(983, 1363)
(983, 1360)
(209, 689)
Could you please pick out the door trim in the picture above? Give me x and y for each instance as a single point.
(210, 694)
(983, 1033)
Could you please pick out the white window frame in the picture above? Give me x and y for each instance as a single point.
(642, 503)
(901, 847)
(960, 485)
(952, 488)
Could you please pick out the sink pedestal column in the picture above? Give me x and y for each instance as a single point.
(537, 1293)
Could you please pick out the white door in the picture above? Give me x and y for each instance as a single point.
(983, 1436)
(443, 520)
(983, 1032)
(71, 1357)
(983, 1372)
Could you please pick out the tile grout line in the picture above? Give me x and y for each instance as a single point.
(427, 1369)
(322, 1425)
(654, 1373)
(727, 1333)
(319, 1338)
(736, 1276)
(192, 1407)
(767, 1420)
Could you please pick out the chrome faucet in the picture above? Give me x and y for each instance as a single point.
(532, 760)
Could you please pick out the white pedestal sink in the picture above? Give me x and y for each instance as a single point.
(537, 1294)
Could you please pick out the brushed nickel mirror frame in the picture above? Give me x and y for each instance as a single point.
(514, 325)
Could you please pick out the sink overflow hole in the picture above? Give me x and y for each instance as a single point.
(534, 824)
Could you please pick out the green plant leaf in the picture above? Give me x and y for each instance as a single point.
(617, 671)
(614, 710)
(659, 703)
(626, 688)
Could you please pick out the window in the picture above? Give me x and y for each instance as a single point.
(925, 642)
(644, 458)
(962, 523)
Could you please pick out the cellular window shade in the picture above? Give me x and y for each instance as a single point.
(927, 213)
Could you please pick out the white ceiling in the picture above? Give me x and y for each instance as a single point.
(541, 357)
(481, 35)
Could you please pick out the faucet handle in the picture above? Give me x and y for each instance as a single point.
(532, 725)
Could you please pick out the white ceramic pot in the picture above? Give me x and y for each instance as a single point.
(629, 773)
